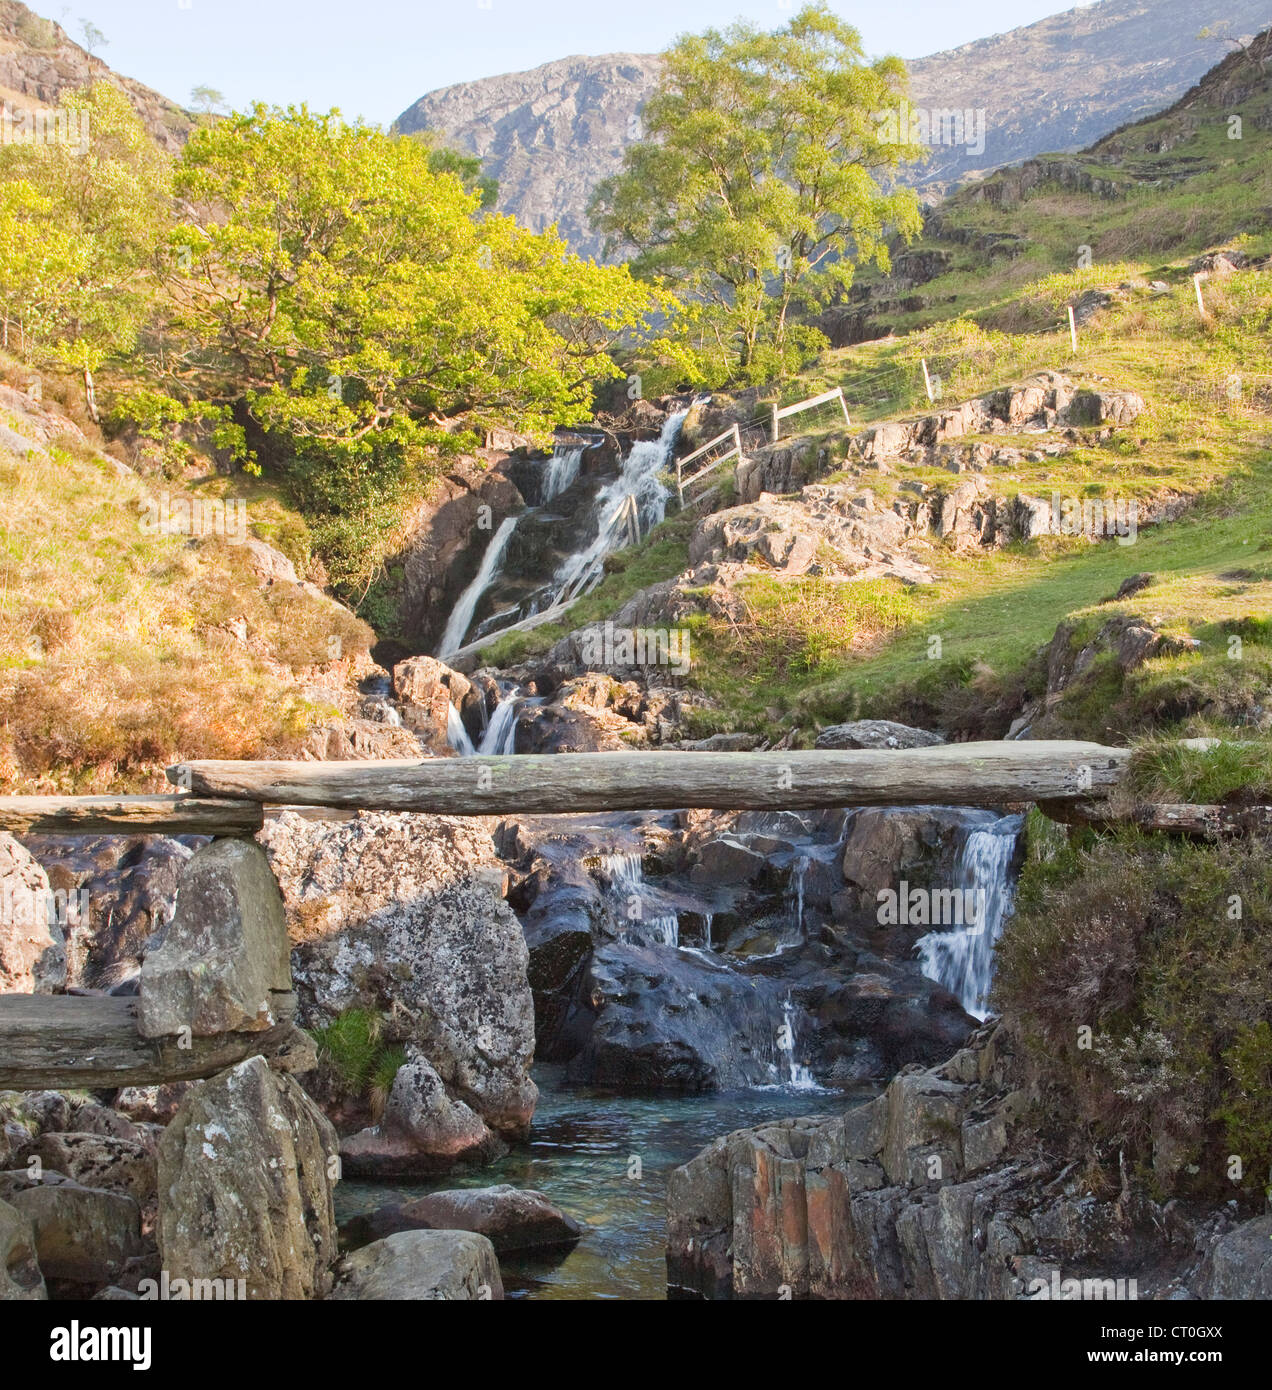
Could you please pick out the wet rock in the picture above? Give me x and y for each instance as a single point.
(435, 1265)
(726, 861)
(876, 733)
(129, 885)
(224, 956)
(513, 1220)
(246, 1170)
(32, 944)
(20, 1276)
(669, 1020)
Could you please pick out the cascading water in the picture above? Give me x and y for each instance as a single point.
(963, 959)
(456, 734)
(461, 617)
(637, 481)
(798, 1077)
(629, 892)
(500, 737)
(559, 473)
(795, 894)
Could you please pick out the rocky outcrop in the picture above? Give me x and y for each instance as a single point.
(246, 1170)
(85, 1237)
(935, 1190)
(513, 1220)
(40, 65)
(32, 943)
(428, 691)
(434, 1265)
(392, 913)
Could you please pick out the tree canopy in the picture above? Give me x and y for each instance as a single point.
(763, 178)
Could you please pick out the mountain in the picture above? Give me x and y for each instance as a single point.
(39, 63)
(551, 134)
(548, 135)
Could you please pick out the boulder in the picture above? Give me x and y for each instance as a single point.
(246, 1170)
(20, 1276)
(392, 916)
(83, 1235)
(427, 690)
(224, 956)
(451, 1265)
(32, 942)
(424, 1130)
(101, 1161)
(513, 1220)
(877, 733)
(1240, 1264)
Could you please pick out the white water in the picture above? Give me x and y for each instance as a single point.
(559, 472)
(795, 894)
(461, 617)
(626, 875)
(798, 1077)
(963, 959)
(500, 737)
(638, 478)
(456, 734)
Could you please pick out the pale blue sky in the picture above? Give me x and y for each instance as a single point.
(375, 57)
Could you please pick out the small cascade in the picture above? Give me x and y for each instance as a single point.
(798, 1077)
(378, 703)
(500, 737)
(461, 617)
(625, 874)
(457, 735)
(637, 481)
(795, 895)
(559, 473)
(707, 919)
(962, 959)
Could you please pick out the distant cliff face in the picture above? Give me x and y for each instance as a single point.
(39, 64)
(551, 134)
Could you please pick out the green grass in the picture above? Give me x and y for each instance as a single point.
(1165, 770)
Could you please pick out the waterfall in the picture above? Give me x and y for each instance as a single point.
(500, 737)
(637, 480)
(799, 1078)
(963, 959)
(559, 473)
(626, 876)
(456, 734)
(461, 617)
(795, 894)
(707, 919)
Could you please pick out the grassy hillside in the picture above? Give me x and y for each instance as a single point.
(123, 649)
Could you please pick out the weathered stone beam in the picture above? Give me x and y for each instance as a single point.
(127, 815)
(62, 1042)
(1200, 822)
(962, 774)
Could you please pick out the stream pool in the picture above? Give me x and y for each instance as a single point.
(580, 1152)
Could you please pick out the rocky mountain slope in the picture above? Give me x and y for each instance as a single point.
(39, 63)
(551, 134)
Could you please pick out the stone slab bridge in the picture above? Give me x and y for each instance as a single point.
(216, 995)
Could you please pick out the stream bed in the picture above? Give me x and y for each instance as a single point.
(583, 1146)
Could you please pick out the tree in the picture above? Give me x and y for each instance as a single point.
(206, 99)
(84, 215)
(93, 37)
(764, 178)
(346, 294)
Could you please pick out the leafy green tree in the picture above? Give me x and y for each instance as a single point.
(765, 176)
(348, 295)
(206, 99)
(84, 213)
